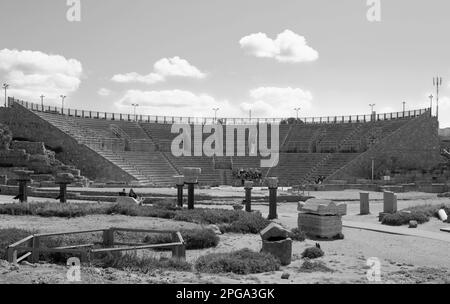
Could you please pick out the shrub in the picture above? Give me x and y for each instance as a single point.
(242, 261)
(312, 253)
(133, 262)
(403, 218)
(194, 239)
(297, 235)
(49, 209)
(246, 223)
(314, 266)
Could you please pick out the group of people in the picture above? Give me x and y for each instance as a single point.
(130, 194)
(319, 180)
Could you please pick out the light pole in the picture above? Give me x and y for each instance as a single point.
(437, 82)
(215, 114)
(135, 105)
(431, 103)
(371, 107)
(62, 103)
(296, 110)
(404, 106)
(42, 102)
(5, 87)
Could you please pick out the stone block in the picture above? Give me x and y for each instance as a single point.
(274, 231)
(364, 207)
(320, 226)
(248, 185)
(281, 249)
(272, 182)
(179, 180)
(413, 224)
(64, 178)
(323, 207)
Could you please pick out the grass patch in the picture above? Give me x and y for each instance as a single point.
(48, 209)
(242, 261)
(193, 238)
(133, 262)
(314, 266)
(10, 236)
(236, 221)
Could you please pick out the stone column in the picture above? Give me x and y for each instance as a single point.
(364, 203)
(248, 185)
(23, 178)
(390, 202)
(273, 186)
(191, 179)
(63, 179)
(179, 181)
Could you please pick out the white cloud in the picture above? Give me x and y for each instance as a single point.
(163, 69)
(104, 92)
(174, 103)
(32, 73)
(276, 102)
(263, 101)
(287, 47)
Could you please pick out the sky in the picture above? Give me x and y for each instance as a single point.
(185, 58)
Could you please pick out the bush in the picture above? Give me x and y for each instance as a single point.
(194, 239)
(314, 266)
(312, 253)
(49, 209)
(403, 218)
(242, 261)
(132, 262)
(297, 235)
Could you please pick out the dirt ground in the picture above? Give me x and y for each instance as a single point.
(403, 259)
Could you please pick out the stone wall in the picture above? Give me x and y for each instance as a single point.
(413, 146)
(26, 125)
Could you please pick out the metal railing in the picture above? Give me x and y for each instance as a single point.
(225, 121)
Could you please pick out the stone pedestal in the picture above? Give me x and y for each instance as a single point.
(179, 181)
(23, 177)
(191, 179)
(248, 186)
(364, 207)
(63, 179)
(273, 186)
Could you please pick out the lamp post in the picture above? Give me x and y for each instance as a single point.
(404, 107)
(42, 102)
(371, 107)
(62, 103)
(431, 103)
(135, 105)
(215, 114)
(296, 110)
(372, 114)
(5, 87)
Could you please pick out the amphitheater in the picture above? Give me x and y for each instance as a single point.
(117, 149)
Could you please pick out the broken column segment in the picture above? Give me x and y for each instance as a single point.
(191, 179)
(321, 218)
(248, 186)
(272, 183)
(276, 241)
(63, 179)
(23, 177)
